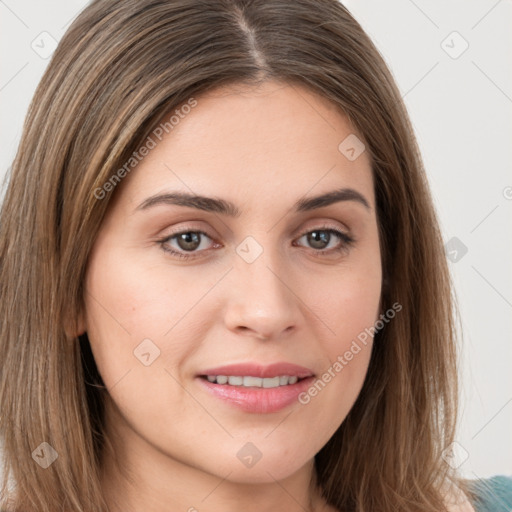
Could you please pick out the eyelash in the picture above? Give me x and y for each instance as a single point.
(346, 242)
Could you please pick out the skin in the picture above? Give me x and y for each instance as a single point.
(262, 149)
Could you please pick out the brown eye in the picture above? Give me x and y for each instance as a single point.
(320, 239)
(188, 241)
(184, 242)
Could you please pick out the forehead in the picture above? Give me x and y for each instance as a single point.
(257, 143)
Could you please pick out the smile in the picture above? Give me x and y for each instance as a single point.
(250, 381)
(255, 399)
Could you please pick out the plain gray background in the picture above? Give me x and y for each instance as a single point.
(452, 63)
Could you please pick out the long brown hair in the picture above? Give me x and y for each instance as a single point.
(119, 68)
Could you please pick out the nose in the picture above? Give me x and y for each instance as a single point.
(261, 301)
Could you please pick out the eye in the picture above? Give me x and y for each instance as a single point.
(187, 241)
(320, 239)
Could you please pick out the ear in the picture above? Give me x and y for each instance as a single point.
(81, 323)
(75, 328)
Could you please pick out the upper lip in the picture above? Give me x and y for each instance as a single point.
(259, 370)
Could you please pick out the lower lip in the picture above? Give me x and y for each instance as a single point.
(258, 400)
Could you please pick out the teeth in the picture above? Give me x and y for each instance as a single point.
(253, 381)
(249, 381)
(271, 383)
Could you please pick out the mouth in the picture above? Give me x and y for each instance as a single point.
(252, 371)
(255, 388)
(249, 381)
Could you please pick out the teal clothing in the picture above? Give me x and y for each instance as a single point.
(494, 494)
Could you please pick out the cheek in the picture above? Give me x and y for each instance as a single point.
(127, 295)
(348, 304)
(133, 309)
(147, 296)
(129, 311)
(350, 311)
(349, 307)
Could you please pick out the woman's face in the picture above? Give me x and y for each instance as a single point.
(250, 275)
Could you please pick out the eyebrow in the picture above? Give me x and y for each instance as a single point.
(222, 206)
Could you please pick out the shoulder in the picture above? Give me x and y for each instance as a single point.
(492, 494)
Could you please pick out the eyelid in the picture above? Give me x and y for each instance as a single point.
(325, 223)
(189, 228)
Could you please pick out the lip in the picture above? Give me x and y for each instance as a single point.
(257, 400)
(253, 399)
(258, 370)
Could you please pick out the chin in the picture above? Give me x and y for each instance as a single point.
(249, 465)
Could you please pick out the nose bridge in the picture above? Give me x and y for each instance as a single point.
(260, 299)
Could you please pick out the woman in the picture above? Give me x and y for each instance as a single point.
(217, 256)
